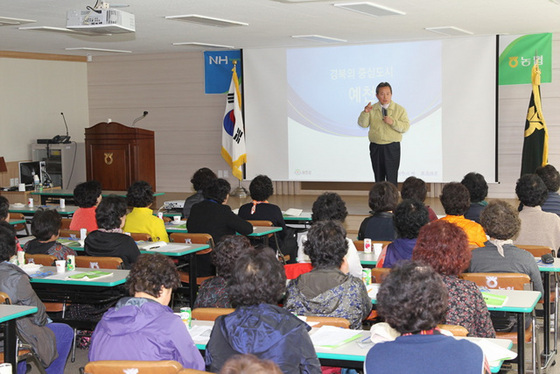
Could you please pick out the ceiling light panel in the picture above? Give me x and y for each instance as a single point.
(449, 30)
(8, 21)
(370, 9)
(207, 21)
(319, 38)
(207, 45)
(97, 50)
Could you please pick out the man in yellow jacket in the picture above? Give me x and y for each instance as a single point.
(387, 121)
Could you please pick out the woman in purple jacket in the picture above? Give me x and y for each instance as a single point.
(143, 327)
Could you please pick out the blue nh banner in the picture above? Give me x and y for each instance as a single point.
(217, 70)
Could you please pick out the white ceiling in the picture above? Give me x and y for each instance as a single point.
(271, 23)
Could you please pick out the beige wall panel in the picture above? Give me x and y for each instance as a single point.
(34, 94)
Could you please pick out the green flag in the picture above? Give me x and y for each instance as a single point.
(521, 54)
(535, 143)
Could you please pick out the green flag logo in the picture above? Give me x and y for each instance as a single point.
(517, 60)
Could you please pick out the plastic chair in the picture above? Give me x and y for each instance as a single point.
(67, 233)
(360, 243)
(40, 259)
(177, 237)
(210, 314)
(139, 236)
(456, 330)
(136, 367)
(378, 274)
(65, 223)
(537, 250)
(512, 281)
(19, 226)
(25, 350)
(95, 262)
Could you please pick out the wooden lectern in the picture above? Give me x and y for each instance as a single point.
(118, 155)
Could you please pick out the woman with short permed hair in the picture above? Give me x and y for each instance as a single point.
(142, 326)
(444, 246)
(258, 325)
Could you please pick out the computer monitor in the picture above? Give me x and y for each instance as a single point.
(28, 169)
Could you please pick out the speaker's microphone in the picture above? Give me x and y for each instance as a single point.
(65, 124)
(384, 112)
(140, 118)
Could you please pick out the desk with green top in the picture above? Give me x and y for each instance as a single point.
(258, 231)
(187, 251)
(518, 302)
(8, 316)
(546, 270)
(351, 354)
(68, 194)
(26, 210)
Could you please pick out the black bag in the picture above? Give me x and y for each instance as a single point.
(289, 245)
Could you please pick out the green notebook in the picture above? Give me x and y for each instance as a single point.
(90, 275)
(494, 300)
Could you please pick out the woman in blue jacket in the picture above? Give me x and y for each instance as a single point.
(258, 325)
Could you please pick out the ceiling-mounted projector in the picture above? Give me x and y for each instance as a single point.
(107, 21)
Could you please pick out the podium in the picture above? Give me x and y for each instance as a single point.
(118, 155)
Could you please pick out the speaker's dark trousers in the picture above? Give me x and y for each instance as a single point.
(385, 160)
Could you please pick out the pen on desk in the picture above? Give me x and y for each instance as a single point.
(366, 340)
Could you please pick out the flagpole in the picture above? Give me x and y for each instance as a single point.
(240, 191)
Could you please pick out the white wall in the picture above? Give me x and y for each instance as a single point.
(32, 95)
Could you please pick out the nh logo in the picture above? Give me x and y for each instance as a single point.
(218, 60)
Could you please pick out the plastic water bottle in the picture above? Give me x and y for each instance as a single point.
(36, 182)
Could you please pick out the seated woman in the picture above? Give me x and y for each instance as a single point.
(213, 292)
(87, 196)
(413, 300)
(551, 178)
(415, 188)
(328, 290)
(330, 207)
(537, 227)
(478, 190)
(51, 341)
(200, 179)
(455, 199)
(501, 222)
(261, 189)
(143, 327)
(383, 198)
(444, 246)
(258, 325)
(45, 226)
(109, 239)
(212, 216)
(142, 219)
(409, 217)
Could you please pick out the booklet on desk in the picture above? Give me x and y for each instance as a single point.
(90, 275)
(147, 246)
(492, 299)
(333, 337)
(293, 212)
